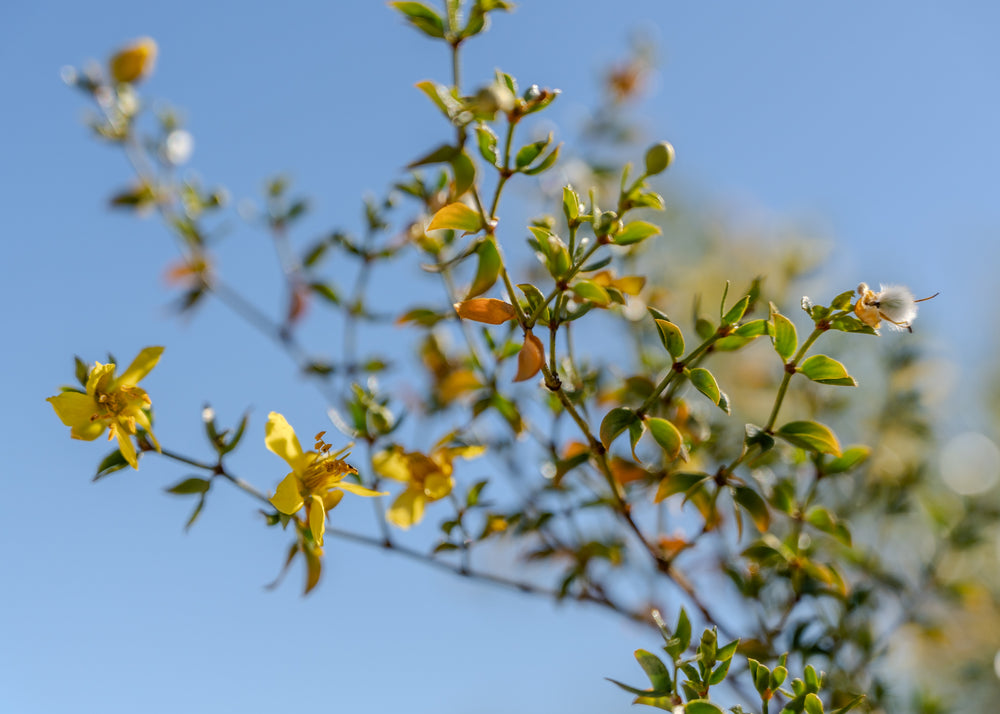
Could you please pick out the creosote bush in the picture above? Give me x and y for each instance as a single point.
(670, 481)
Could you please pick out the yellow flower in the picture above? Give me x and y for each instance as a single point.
(317, 477)
(134, 61)
(110, 402)
(427, 478)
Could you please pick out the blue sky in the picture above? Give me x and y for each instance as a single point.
(877, 124)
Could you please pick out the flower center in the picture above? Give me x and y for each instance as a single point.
(326, 470)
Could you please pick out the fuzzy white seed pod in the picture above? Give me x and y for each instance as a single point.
(897, 305)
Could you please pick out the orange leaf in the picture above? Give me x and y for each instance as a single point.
(530, 358)
(488, 310)
(626, 471)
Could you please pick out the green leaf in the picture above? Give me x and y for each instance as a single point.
(679, 482)
(682, 632)
(458, 217)
(545, 163)
(189, 486)
(850, 459)
(671, 337)
(195, 513)
(813, 704)
(421, 17)
(109, 464)
(701, 706)
(849, 323)
(658, 158)
(720, 672)
(629, 689)
(786, 339)
(727, 651)
(82, 371)
(667, 436)
(705, 383)
(487, 268)
(571, 204)
(443, 154)
(635, 232)
(589, 290)
(614, 423)
(326, 292)
(527, 154)
(472, 497)
(534, 297)
(842, 301)
(756, 435)
(657, 672)
(486, 140)
(635, 431)
(442, 97)
(850, 705)
(754, 328)
(465, 173)
(811, 436)
(752, 502)
(737, 311)
(821, 518)
(826, 370)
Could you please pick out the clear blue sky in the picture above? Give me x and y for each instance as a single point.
(878, 124)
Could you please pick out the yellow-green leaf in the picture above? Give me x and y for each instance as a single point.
(589, 290)
(635, 232)
(680, 482)
(458, 217)
(826, 370)
(786, 339)
(810, 435)
(666, 435)
(671, 337)
(705, 383)
(487, 269)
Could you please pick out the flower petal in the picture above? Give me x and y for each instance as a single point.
(359, 490)
(437, 486)
(142, 419)
(140, 367)
(127, 448)
(99, 376)
(393, 464)
(331, 499)
(317, 518)
(281, 440)
(407, 509)
(287, 498)
(74, 410)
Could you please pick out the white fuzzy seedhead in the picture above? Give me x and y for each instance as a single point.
(897, 305)
(892, 303)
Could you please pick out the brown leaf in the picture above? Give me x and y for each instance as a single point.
(530, 358)
(488, 310)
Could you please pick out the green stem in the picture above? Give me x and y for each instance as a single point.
(789, 372)
(559, 289)
(675, 370)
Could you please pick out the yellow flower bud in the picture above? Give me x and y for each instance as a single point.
(134, 61)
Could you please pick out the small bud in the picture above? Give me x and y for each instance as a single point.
(532, 93)
(492, 99)
(659, 157)
(607, 224)
(134, 62)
